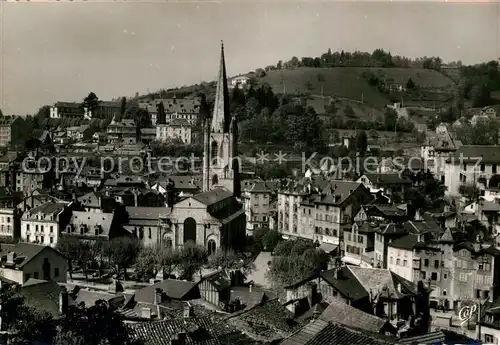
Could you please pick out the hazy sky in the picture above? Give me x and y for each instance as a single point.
(62, 51)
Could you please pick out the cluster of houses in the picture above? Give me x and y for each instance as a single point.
(392, 265)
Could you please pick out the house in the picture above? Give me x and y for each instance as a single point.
(176, 130)
(240, 82)
(105, 110)
(135, 197)
(93, 226)
(10, 224)
(42, 224)
(437, 150)
(257, 200)
(80, 133)
(390, 183)
(359, 244)
(175, 108)
(454, 270)
(34, 175)
(10, 132)
(319, 208)
(489, 332)
(71, 110)
(170, 296)
(471, 165)
(375, 291)
(99, 202)
(267, 322)
(122, 131)
(193, 331)
(22, 261)
(184, 186)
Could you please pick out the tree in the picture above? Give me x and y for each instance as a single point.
(279, 65)
(361, 142)
(29, 324)
(271, 239)
(410, 84)
(161, 117)
(91, 102)
(69, 246)
(390, 119)
(142, 118)
(123, 253)
(229, 260)
(123, 107)
(299, 260)
(191, 258)
(155, 259)
(480, 95)
(1, 114)
(42, 115)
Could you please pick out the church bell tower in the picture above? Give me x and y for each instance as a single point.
(221, 162)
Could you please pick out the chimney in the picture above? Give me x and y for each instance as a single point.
(338, 274)
(63, 300)
(158, 296)
(398, 287)
(186, 309)
(250, 288)
(178, 339)
(146, 313)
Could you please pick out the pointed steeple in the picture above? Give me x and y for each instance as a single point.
(221, 118)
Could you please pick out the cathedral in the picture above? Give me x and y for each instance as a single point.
(213, 218)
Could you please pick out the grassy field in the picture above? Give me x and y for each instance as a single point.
(347, 82)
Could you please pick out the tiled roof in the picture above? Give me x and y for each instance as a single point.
(92, 219)
(346, 285)
(259, 187)
(149, 213)
(197, 330)
(49, 208)
(320, 332)
(174, 289)
(407, 242)
(379, 280)
(90, 199)
(212, 196)
(42, 294)
(268, 321)
(24, 252)
(342, 313)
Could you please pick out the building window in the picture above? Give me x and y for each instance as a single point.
(8, 219)
(405, 263)
(423, 275)
(27, 227)
(444, 292)
(56, 272)
(436, 263)
(27, 238)
(445, 276)
(41, 228)
(51, 240)
(478, 293)
(426, 263)
(149, 233)
(494, 168)
(51, 228)
(434, 276)
(398, 262)
(36, 227)
(41, 239)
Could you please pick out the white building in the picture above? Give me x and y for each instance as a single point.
(177, 129)
(257, 201)
(240, 82)
(471, 165)
(437, 150)
(41, 225)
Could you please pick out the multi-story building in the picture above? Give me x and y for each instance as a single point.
(175, 108)
(79, 133)
(457, 272)
(34, 175)
(176, 129)
(9, 132)
(389, 183)
(72, 110)
(10, 223)
(122, 132)
(257, 201)
(437, 151)
(318, 209)
(471, 165)
(359, 244)
(106, 110)
(42, 224)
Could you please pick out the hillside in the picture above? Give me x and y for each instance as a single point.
(348, 82)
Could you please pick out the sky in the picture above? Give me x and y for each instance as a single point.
(62, 51)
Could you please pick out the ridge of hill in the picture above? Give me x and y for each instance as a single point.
(348, 82)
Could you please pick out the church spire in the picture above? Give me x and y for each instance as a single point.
(221, 118)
